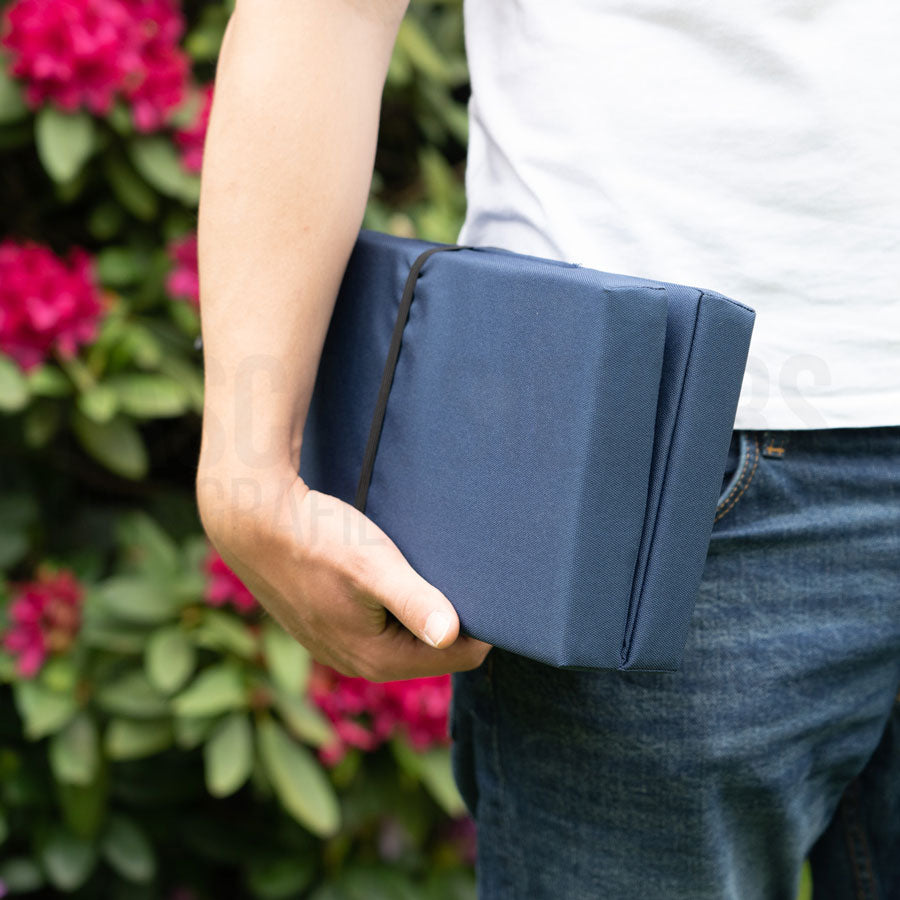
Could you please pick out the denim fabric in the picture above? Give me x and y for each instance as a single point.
(778, 740)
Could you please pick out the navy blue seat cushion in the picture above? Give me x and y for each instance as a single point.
(553, 441)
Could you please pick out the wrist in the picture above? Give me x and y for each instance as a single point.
(234, 499)
(249, 440)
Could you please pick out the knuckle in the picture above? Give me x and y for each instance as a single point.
(404, 605)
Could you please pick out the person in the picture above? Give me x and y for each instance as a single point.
(751, 148)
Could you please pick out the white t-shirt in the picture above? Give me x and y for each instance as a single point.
(752, 148)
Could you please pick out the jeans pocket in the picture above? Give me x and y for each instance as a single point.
(743, 458)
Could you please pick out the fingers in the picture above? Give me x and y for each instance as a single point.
(417, 604)
(384, 576)
(398, 654)
(372, 573)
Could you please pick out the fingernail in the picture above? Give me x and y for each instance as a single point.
(436, 626)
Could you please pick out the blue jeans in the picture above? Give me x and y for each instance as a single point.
(778, 740)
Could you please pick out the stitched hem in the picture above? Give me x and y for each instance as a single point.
(748, 470)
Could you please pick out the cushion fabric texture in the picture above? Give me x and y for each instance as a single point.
(553, 440)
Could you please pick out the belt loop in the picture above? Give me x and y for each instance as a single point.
(774, 444)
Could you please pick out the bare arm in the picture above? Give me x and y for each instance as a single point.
(287, 167)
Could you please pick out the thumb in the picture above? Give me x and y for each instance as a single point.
(420, 606)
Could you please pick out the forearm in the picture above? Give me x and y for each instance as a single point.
(287, 168)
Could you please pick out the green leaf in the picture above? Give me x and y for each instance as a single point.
(191, 731)
(13, 386)
(113, 637)
(68, 860)
(12, 99)
(64, 141)
(120, 266)
(228, 755)
(156, 158)
(298, 780)
(303, 719)
(218, 689)
(130, 189)
(13, 546)
(41, 423)
(126, 848)
(204, 42)
(136, 598)
(288, 660)
(433, 768)
(18, 513)
(149, 396)
(399, 71)
(59, 674)
(48, 381)
(150, 548)
(132, 695)
(140, 346)
(370, 881)
(17, 510)
(98, 403)
(67, 192)
(20, 875)
(105, 220)
(116, 444)
(414, 42)
(43, 711)
(186, 373)
(120, 118)
(437, 776)
(83, 807)
(225, 632)
(169, 659)
(127, 739)
(805, 890)
(74, 751)
(280, 879)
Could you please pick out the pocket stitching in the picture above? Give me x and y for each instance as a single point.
(728, 503)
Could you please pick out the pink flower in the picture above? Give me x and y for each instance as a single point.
(183, 281)
(87, 52)
(45, 304)
(73, 52)
(45, 616)
(190, 140)
(159, 86)
(366, 713)
(223, 586)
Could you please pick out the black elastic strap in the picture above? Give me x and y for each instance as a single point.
(387, 378)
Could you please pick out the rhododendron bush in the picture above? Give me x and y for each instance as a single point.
(162, 736)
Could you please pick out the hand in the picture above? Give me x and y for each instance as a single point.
(333, 579)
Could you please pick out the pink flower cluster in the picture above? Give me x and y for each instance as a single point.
(223, 586)
(366, 713)
(87, 52)
(45, 302)
(183, 281)
(190, 140)
(45, 615)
